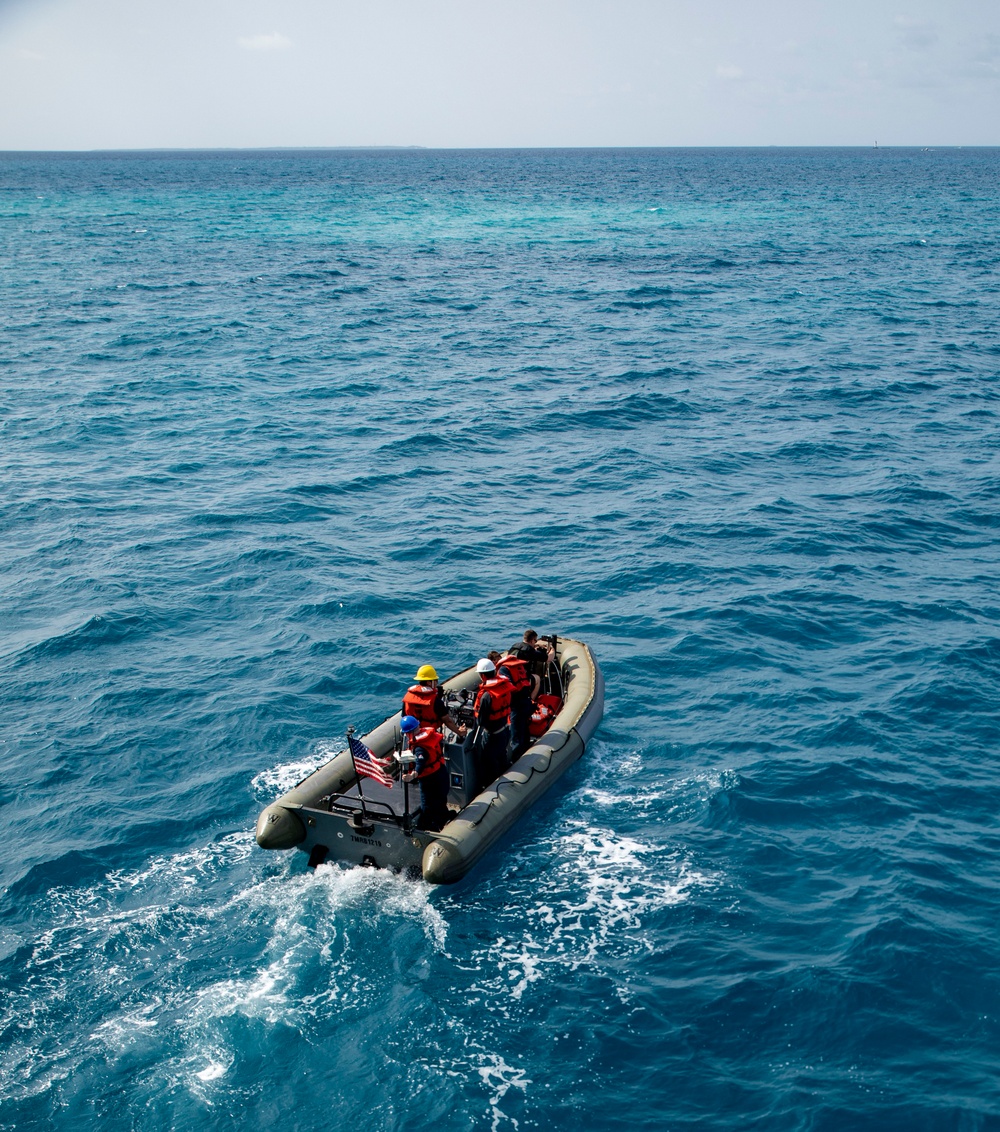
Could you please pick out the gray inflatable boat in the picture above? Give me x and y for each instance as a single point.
(331, 815)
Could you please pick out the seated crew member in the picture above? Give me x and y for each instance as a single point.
(515, 670)
(492, 712)
(430, 770)
(424, 700)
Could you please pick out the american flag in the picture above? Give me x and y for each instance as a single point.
(366, 763)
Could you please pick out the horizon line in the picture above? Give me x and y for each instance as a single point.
(481, 148)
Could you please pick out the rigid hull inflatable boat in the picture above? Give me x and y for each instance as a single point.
(331, 816)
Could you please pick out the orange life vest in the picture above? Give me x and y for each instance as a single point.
(500, 692)
(545, 711)
(419, 702)
(430, 739)
(518, 669)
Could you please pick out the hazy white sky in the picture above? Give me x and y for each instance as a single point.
(87, 74)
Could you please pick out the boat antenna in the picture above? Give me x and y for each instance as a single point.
(406, 763)
(407, 828)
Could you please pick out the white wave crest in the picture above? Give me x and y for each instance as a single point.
(276, 780)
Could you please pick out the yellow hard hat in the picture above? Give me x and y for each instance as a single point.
(426, 672)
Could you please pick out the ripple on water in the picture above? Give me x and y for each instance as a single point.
(721, 414)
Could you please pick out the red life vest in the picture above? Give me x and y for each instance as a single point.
(419, 702)
(546, 710)
(518, 669)
(430, 739)
(500, 692)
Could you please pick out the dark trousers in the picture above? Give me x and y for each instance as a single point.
(520, 718)
(496, 754)
(489, 754)
(434, 799)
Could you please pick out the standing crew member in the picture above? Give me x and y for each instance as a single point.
(535, 654)
(515, 671)
(430, 770)
(539, 657)
(492, 711)
(424, 700)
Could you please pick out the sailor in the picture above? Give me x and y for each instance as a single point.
(541, 662)
(537, 656)
(516, 672)
(492, 711)
(424, 700)
(429, 769)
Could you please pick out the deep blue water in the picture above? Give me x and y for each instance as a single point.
(277, 427)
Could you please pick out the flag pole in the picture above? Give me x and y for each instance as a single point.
(350, 733)
(406, 785)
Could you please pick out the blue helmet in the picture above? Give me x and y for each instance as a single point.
(409, 723)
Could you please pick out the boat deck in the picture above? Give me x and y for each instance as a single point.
(402, 799)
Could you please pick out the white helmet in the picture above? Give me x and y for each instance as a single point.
(486, 665)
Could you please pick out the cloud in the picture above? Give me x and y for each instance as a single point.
(729, 73)
(918, 35)
(273, 42)
(987, 49)
(982, 58)
(24, 53)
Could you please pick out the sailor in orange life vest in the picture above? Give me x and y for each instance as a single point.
(430, 770)
(424, 700)
(517, 673)
(492, 735)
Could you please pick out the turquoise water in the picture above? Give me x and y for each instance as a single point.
(277, 427)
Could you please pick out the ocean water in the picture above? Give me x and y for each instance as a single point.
(276, 427)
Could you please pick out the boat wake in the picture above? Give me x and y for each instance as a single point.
(278, 779)
(195, 961)
(184, 953)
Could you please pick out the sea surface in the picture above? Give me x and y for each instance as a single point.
(277, 427)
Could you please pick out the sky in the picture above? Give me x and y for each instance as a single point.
(123, 74)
